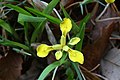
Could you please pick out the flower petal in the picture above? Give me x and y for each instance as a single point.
(43, 50)
(109, 1)
(74, 41)
(57, 47)
(58, 55)
(63, 40)
(76, 56)
(66, 48)
(65, 26)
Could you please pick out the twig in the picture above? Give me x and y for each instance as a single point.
(108, 19)
(100, 76)
(95, 68)
(12, 9)
(102, 13)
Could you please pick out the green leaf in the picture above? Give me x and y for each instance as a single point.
(13, 44)
(75, 65)
(75, 28)
(45, 13)
(26, 18)
(48, 69)
(26, 32)
(70, 74)
(8, 28)
(52, 66)
(50, 6)
(23, 19)
(38, 13)
(38, 31)
(82, 31)
(18, 9)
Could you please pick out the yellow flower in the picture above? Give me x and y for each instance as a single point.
(74, 41)
(58, 55)
(43, 50)
(63, 40)
(109, 1)
(74, 55)
(65, 26)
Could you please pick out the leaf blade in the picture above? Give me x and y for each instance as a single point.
(18, 9)
(8, 28)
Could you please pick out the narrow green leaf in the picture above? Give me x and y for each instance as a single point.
(48, 69)
(45, 13)
(40, 28)
(75, 28)
(8, 28)
(26, 32)
(38, 13)
(13, 44)
(50, 6)
(75, 65)
(26, 18)
(82, 31)
(52, 66)
(18, 9)
(81, 36)
(38, 31)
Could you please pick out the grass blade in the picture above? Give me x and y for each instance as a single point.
(18, 9)
(13, 44)
(38, 13)
(48, 69)
(26, 18)
(82, 31)
(77, 70)
(8, 28)
(52, 66)
(38, 31)
(50, 6)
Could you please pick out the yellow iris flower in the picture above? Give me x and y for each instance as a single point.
(74, 55)
(109, 1)
(65, 26)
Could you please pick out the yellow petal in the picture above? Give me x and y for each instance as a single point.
(58, 55)
(66, 48)
(57, 47)
(74, 41)
(43, 50)
(63, 40)
(109, 1)
(76, 56)
(65, 26)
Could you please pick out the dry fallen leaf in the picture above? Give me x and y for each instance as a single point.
(94, 51)
(10, 66)
(110, 64)
(33, 72)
